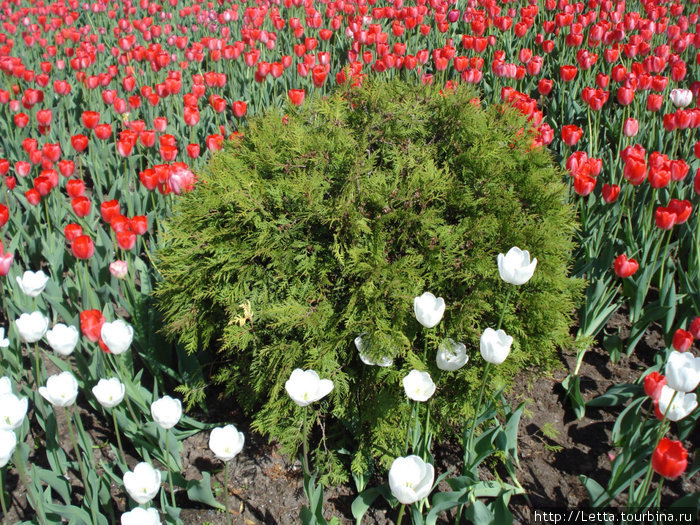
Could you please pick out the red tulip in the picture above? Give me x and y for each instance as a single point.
(126, 239)
(297, 96)
(630, 128)
(625, 267)
(91, 119)
(682, 209)
(584, 184)
(544, 86)
(567, 73)
(190, 115)
(66, 167)
(81, 206)
(635, 171)
(79, 142)
(239, 108)
(109, 209)
(682, 340)
(571, 134)
(669, 459)
(654, 102)
(103, 131)
(75, 188)
(665, 218)
(4, 215)
(5, 263)
(653, 383)
(659, 177)
(21, 120)
(83, 247)
(91, 322)
(192, 151)
(33, 196)
(610, 192)
(139, 224)
(72, 231)
(147, 138)
(625, 96)
(695, 328)
(119, 223)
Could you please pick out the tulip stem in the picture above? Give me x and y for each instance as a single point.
(2, 494)
(37, 365)
(402, 509)
(663, 261)
(505, 305)
(86, 485)
(305, 445)
(38, 504)
(167, 464)
(119, 439)
(228, 515)
(476, 413)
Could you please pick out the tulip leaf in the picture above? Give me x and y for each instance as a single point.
(365, 499)
(687, 503)
(594, 489)
(572, 385)
(625, 421)
(653, 312)
(73, 514)
(200, 490)
(58, 483)
(443, 501)
(616, 395)
(479, 513)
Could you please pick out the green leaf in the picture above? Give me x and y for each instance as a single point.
(364, 501)
(572, 385)
(616, 395)
(596, 493)
(201, 491)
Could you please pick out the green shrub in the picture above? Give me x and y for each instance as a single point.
(330, 221)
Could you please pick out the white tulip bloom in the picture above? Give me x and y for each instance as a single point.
(515, 266)
(306, 387)
(63, 339)
(411, 479)
(428, 309)
(226, 442)
(495, 346)
(31, 283)
(142, 483)
(418, 386)
(451, 356)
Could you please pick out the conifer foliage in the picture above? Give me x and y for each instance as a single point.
(323, 224)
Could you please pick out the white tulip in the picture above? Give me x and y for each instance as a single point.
(32, 327)
(384, 361)
(495, 346)
(142, 483)
(109, 392)
(682, 371)
(681, 98)
(4, 341)
(418, 386)
(428, 309)
(62, 339)
(12, 411)
(140, 516)
(166, 411)
(60, 390)
(306, 387)
(683, 403)
(226, 442)
(8, 442)
(451, 355)
(31, 283)
(5, 386)
(515, 266)
(411, 479)
(118, 336)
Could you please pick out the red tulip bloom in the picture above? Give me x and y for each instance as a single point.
(4, 215)
(83, 247)
(119, 223)
(659, 177)
(695, 328)
(544, 86)
(181, 179)
(21, 120)
(44, 116)
(625, 267)
(567, 73)
(630, 128)
(33, 196)
(72, 231)
(610, 192)
(147, 138)
(571, 134)
(91, 322)
(584, 184)
(682, 340)
(192, 151)
(91, 119)
(81, 206)
(654, 102)
(653, 383)
(139, 224)
(126, 239)
(665, 218)
(103, 131)
(75, 188)
(190, 115)
(239, 108)
(297, 96)
(635, 171)
(625, 96)
(79, 142)
(669, 459)
(682, 209)
(66, 167)
(109, 209)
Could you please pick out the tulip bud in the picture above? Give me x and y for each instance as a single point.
(631, 127)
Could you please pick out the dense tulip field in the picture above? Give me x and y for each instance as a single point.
(109, 109)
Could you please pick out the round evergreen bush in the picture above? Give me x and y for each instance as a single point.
(323, 225)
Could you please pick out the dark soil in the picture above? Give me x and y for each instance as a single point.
(554, 447)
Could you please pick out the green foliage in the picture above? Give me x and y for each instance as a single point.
(312, 230)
